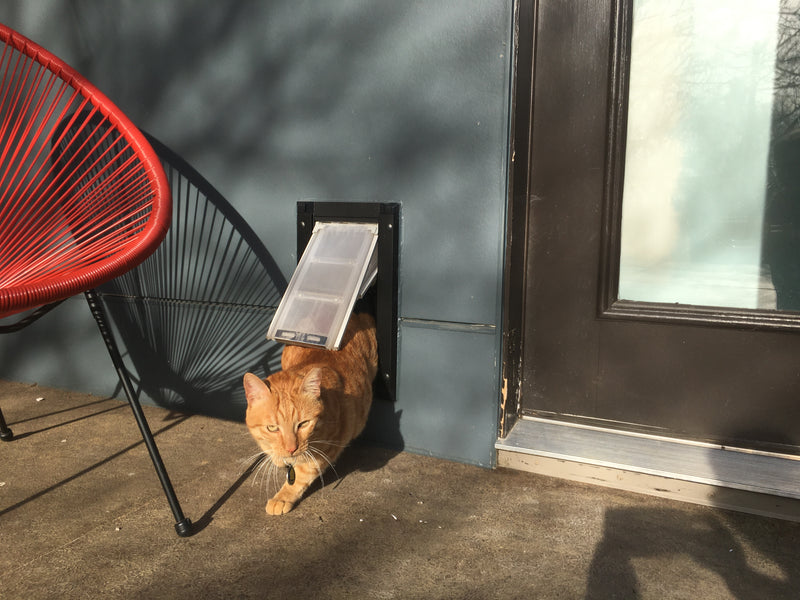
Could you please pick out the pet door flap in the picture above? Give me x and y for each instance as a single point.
(337, 266)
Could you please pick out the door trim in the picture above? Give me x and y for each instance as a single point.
(517, 210)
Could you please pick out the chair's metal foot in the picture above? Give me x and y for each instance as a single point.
(184, 527)
(5, 433)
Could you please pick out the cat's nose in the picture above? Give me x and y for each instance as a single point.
(291, 449)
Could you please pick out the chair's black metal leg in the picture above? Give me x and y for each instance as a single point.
(5, 433)
(183, 525)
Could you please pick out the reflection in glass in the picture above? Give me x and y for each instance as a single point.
(711, 193)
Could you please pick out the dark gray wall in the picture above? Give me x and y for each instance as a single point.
(280, 101)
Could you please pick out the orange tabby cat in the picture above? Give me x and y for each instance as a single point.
(304, 415)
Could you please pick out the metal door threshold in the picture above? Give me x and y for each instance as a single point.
(756, 482)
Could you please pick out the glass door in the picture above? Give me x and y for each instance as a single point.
(711, 173)
(661, 269)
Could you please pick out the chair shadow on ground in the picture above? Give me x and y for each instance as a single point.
(170, 423)
(114, 405)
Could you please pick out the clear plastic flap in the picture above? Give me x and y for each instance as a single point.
(337, 266)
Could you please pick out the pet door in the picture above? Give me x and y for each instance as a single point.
(338, 265)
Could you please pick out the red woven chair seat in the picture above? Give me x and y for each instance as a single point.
(83, 197)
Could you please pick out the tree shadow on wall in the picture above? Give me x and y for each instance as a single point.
(280, 101)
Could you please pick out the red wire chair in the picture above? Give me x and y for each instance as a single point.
(83, 196)
(68, 224)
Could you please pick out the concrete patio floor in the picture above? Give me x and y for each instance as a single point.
(82, 516)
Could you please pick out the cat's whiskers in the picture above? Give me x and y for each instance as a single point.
(264, 466)
(278, 475)
(329, 443)
(250, 462)
(312, 448)
(264, 471)
(310, 458)
(269, 472)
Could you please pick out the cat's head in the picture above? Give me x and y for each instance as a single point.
(282, 411)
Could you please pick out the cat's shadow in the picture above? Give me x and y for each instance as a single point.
(361, 456)
(380, 441)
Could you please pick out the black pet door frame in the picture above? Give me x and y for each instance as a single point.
(381, 299)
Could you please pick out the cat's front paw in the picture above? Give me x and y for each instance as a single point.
(278, 507)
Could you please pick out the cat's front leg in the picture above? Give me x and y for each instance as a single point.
(289, 495)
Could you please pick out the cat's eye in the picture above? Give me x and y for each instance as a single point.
(302, 424)
(272, 428)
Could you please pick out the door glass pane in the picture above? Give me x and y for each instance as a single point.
(711, 196)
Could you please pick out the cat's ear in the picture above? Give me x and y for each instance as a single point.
(312, 381)
(256, 389)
